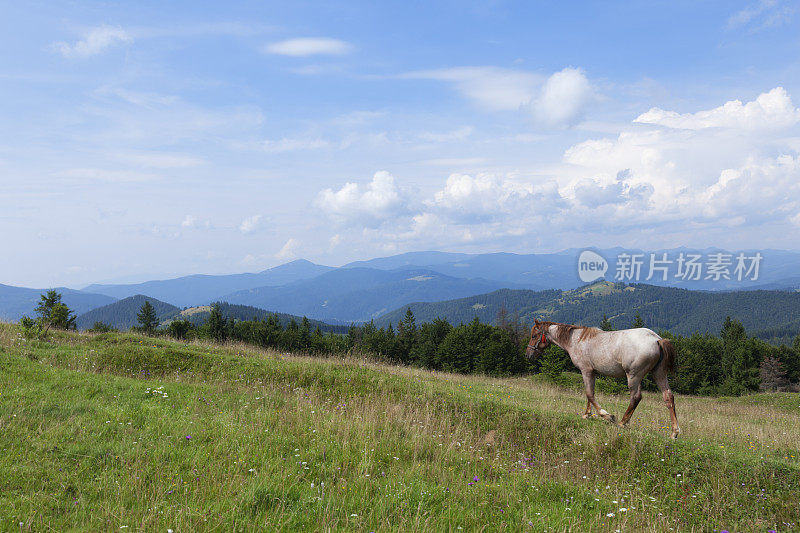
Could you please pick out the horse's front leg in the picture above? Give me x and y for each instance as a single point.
(588, 412)
(588, 382)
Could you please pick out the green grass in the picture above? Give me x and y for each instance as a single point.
(93, 436)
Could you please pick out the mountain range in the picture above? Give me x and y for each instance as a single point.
(18, 301)
(365, 290)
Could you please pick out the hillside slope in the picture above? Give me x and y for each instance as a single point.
(18, 301)
(199, 315)
(771, 315)
(99, 430)
(122, 314)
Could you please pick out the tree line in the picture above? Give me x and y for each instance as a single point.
(731, 363)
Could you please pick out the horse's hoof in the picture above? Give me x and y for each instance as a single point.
(612, 419)
(586, 417)
(622, 424)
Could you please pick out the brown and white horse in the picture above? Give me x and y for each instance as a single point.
(628, 353)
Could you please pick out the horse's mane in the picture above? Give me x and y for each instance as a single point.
(564, 331)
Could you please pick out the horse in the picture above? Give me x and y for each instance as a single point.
(628, 353)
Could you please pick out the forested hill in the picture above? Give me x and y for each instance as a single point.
(122, 314)
(198, 316)
(773, 316)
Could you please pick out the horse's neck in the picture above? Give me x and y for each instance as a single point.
(566, 345)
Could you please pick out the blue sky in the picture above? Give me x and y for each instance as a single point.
(146, 140)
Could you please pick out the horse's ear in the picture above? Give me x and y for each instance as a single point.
(536, 321)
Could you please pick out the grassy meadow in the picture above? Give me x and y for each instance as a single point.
(122, 432)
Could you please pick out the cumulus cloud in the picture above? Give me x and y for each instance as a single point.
(379, 200)
(250, 224)
(759, 190)
(655, 181)
(308, 46)
(94, 42)
(563, 98)
(773, 109)
(488, 196)
(189, 221)
(555, 101)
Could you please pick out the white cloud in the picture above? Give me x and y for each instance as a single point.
(189, 221)
(760, 15)
(309, 46)
(288, 145)
(493, 88)
(563, 98)
(555, 101)
(250, 224)
(773, 109)
(650, 183)
(369, 205)
(94, 42)
(458, 134)
(762, 189)
(107, 175)
(154, 159)
(289, 249)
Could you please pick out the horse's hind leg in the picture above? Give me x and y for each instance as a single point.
(660, 377)
(588, 382)
(635, 386)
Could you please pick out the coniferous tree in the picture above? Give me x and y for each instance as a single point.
(605, 324)
(638, 322)
(740, 361)
(53, 313)
(217, 325)
(148, 321)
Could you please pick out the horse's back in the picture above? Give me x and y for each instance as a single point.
(626, 351)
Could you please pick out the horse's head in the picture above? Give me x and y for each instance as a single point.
(538, 342)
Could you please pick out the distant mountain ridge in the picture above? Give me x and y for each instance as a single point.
(771, 315)
(367, 289)
(200, 289)
(18, 301)
(358, 294)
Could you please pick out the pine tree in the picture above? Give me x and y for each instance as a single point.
(605, 324)
(148, 321)
(740, 360)
(638, 322)
(216, 324)
(53, 313)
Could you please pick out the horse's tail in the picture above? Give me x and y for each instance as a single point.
(668, 355)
